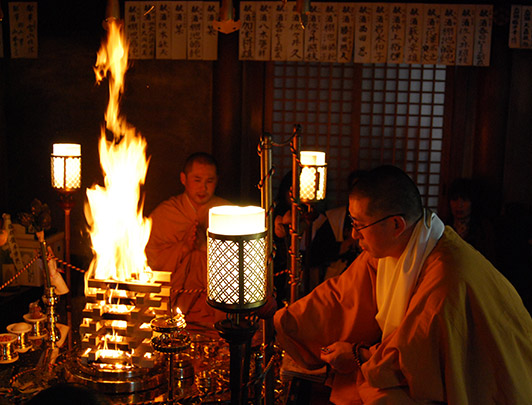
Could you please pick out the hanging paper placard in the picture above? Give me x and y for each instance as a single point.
(194, 30)
(313, 33)
(147, 30)
(179, 30)
(295, 34)
(132, 27)
(23, 29)
(210, 35)
(263, 36)
(396, 33)
(346, 29)
(448, 30)
(163, 30)
(514, 35)
(246, 37)
(329, 32)
(483, 26)
(465, 36)
(279, 36)
(379, 33)
(414, 24)
(526, 27)
(363, 32)
(431, 34)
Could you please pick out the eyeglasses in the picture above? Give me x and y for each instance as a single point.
(359, 228)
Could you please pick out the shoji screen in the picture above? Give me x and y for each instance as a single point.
(363, 116)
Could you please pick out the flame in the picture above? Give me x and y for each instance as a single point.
(119, 232)
(118, 324)
(118, 308)
(179, 318)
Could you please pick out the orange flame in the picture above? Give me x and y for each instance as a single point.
(119, 232)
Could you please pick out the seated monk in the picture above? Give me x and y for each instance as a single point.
(178, 240)
(419, 317)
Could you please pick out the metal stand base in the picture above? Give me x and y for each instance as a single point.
(115, 381)
(238, 335)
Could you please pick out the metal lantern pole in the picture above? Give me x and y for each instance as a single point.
(268, 329)
(295, 147)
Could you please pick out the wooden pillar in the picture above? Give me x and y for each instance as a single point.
(227, 116)
(492, 119)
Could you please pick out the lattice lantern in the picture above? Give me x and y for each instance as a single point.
(236, 258)
(66, 167)
(313, 178)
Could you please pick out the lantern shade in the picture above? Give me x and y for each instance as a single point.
(66, 166)
(236, 258)
(313, 178)
(235, 220)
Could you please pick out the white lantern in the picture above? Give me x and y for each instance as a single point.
(236, 258)
(66, 167)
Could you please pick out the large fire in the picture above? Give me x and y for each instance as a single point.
(118, 230)
(123, 294)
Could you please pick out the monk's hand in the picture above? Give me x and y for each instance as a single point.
(191, 237)
(340, 356)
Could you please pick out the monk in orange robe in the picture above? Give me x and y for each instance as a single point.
(419, 317)
(178, 241)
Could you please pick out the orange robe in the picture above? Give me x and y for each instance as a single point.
(171, 223)
(466, 337)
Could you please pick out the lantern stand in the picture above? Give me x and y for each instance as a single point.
(266, 187)
(238, 334)
(66, 180)
(268, 330)
(237, 284)
(309, 174)
(265, 151)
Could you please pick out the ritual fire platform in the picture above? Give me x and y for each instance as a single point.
(116, 353)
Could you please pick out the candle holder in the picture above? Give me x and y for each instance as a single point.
(172, 339)
(22, 330)
(8, 352)
(50, 299)
(38, 330)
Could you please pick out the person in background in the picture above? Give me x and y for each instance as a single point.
(419, 317)
(3, 232)
(281, 239)
(178, 238)
(333, 247)
(468, 218)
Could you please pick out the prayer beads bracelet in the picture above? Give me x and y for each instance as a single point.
(356, 354)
